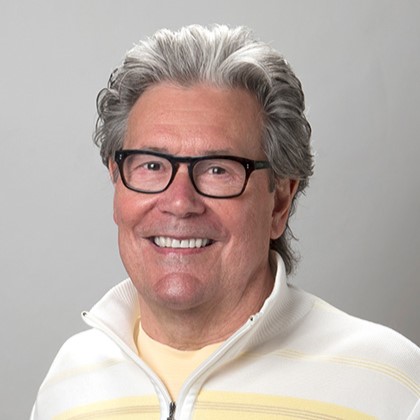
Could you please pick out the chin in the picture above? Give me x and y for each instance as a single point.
(179, 291)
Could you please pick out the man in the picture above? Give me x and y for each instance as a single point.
(205, 139)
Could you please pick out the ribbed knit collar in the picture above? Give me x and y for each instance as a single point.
(119, 309)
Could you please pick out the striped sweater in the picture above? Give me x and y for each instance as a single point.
(298, 358)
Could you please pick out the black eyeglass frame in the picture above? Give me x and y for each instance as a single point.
(248, 164)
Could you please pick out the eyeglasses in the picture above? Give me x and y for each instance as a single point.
(212, 176)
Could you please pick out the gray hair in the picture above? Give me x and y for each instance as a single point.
(223, 57)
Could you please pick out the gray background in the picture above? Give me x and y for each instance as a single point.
(358, 225)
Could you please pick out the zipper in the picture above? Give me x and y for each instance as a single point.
(234, 339)
(172, 408)
(216, 356)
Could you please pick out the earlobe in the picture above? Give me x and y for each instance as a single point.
(284, 192)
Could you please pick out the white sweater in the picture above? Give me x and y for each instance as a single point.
(298, 358)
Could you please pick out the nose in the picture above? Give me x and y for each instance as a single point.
(181, 199)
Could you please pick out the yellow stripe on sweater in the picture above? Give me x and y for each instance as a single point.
(218, 406)
(382, 368)
(246, 406)
(129, 408)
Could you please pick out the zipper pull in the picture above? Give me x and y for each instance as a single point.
(172, 408)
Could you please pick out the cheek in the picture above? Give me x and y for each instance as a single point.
(253, 224)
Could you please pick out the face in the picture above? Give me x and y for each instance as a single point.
(232, 268)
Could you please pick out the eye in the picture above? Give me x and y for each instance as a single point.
(217, 170)
(145, 165)
(220, 169)
(152, 166)
(148, 166)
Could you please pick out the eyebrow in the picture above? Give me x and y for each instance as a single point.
(207, 152)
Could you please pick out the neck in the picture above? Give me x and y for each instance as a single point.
(195, 328)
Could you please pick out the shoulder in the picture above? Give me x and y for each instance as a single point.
(87, 350)
(329, 330)
(330, 356)
(89, 368)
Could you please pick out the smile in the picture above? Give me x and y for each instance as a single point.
(166, 242)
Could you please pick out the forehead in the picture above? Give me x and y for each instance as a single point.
(200, 118)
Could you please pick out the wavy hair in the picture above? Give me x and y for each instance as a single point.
(222, 57)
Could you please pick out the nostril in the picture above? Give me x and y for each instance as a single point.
(181, 198)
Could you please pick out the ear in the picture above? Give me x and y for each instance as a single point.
(113, 173)
(113, 170)
(284, 192)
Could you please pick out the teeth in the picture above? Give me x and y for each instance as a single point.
(165, 242)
